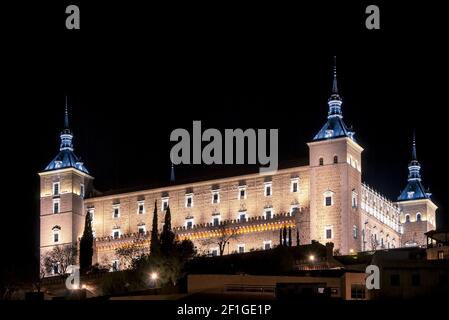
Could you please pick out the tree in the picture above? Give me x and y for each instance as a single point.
(60, 258)
(185, 249)
(42, 273)
(289, 236)
(280, 237)
(86, 245)
(374, 243)
(224, 235)
(154, 245)
(297, 237)
(284, 236)
(127, 255)
(167, 236)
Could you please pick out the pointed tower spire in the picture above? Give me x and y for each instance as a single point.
(66, 158)
(335, 100)
(66, 134)
(335, 126)
(414, 147)
(66, 116)
(414, 167)
(334, 84)
(172, 173)
(414, 189)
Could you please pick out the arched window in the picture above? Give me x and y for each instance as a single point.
(335, 159)
(407, 218)
(321, 161)
(418, 216)
(56, 234)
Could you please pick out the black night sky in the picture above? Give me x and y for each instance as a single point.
(134, 74)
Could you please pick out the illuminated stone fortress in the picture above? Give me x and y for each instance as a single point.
(324, 201)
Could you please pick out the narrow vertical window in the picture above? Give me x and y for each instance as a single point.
(56, 186)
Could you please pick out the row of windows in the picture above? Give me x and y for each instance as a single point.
(328, 232)
(189, 198)
(353, 162)
(242, 216)
(321, 160)
(56, 189)
(418, 217)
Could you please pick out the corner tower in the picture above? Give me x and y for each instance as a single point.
(335, 180)
(63, 184)
(417, 209)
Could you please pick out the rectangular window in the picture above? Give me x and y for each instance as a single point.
(242, 193)
(242, 217)
(141, 207)
(56, 208)
(214, 252)
(294, 185)
(241, 248)
(82, 190)
(268, 190)
(189, 223)
(328, 233)
(267, 245)
(56, 188)
(268, 214)
(164, 204)
(416, 280)
(215, 197)
(116, 212)
(116, 234)
(115, 265)
(395, 280)
(56, 237)
(293, 209)
(216, 221)
(354, 199)
(357, 291)
(189, 200)
(141, 229)
(440, 255)
(328, 201)
(355, 232)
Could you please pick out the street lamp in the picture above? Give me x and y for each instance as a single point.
(153, 278)
(312, 258)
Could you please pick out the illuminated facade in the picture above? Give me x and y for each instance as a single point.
(324, 201)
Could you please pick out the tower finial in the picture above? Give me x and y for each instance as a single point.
(414, 147)
(334, 84)
(172, 173)
(66, 115)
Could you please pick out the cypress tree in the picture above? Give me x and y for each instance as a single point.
(284, 236)
(289, 236)
(154, 245)
(280, 237)
(167, 236)
(86, 245)
(297, 237)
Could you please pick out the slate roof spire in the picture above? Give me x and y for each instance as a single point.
(335, 126)
(414, 189)
(66, 158)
